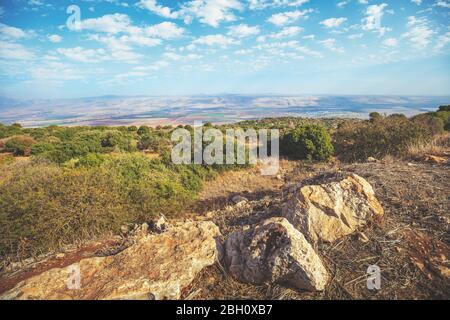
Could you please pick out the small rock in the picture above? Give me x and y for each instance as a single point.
(239, 200)
(125, 229)
(274, 251)
(372, 160)
(160, 225)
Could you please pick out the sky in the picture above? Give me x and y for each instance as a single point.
(68, 49)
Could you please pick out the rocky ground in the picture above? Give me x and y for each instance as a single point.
(402, 228)
(411, 245)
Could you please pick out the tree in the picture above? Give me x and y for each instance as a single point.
(308, 142)
(444, 108)
(143, 130)
(375, 116)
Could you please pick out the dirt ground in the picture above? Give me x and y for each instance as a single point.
(411, 247)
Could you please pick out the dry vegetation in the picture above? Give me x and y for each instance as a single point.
(411, 248)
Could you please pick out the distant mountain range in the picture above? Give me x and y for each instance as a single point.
(153, 110)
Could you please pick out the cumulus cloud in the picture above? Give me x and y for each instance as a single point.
(285, 18)
(210, 12)
(215, 40)
(419, 33)
(83, 55)
(242, 31)
(263, 4)
(110, 23)
(160, 10)
(373, 19)
(333, 22)
(9, 50)
(10, 32)
(54, 38)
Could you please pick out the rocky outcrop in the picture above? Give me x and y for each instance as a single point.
(156, 267)
(333, 210)
(274, 251)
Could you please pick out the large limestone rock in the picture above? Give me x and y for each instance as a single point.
(275, 252)
(330, 211)
(156, 267)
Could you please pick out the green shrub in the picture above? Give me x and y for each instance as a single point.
(91, 160)
(8, 131)
(390, 136)
(308, 142)
(143, 130)
(20, 145)
(44, 206)
(115, 140)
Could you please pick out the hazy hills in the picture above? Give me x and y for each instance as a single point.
(126, 110)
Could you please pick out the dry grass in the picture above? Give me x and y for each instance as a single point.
(439, 146)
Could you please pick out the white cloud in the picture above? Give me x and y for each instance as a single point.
(419, 33)
(442, 4)
(330, 44)
(215, 40)
(374, 15)
(285, 18)
(243, 31)
(160, 10)
(10, 32)
(333, 22)
(83, 55)
(263, 4)
(15, 51)
(54, 38)
(210, 12)
(110, 23)
(287, 32)
(164, 30)
(342, 3)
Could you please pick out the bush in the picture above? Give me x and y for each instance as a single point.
(20, 145)
(308, 142)
(44, 206)
(389, 136)
(143, 130)
(115, 140)
(8, 131)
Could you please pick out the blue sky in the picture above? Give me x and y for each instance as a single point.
(148, 47)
